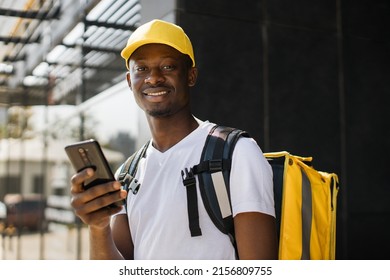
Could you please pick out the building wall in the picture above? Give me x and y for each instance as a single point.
(307, 77)
(24, 172)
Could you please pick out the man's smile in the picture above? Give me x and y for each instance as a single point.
(155, 91)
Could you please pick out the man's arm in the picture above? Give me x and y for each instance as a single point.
(122, 236)
(256, 236)
(112, 242)
(101, 245)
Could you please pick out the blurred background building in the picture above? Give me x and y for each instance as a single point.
(309, 77)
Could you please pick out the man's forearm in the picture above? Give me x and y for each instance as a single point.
(102, 246)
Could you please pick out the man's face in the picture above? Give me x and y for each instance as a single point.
(160, 77)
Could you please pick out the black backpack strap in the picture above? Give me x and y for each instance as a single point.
(129, 169)
(189, 182)
(213, 173)
(214, 183)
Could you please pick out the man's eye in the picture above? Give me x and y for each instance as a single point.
(140, 68)
(168, 67)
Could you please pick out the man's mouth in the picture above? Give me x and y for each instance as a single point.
(157, 93)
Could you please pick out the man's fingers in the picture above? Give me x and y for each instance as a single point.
(98, 196)
(78, 179)
(103, 189)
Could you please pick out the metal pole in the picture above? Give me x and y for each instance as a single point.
(44, 167)
(80, 99)
(266, 110)
(8, 168)
(343, 134)
(42, 186)
(22, 167)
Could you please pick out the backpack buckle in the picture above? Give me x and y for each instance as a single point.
(215, 165)
(129, 183)
(188, 177)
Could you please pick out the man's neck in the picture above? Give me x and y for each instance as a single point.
(167, 132)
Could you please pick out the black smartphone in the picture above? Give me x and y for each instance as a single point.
(88, 154)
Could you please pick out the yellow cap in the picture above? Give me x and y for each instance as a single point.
(159, 32)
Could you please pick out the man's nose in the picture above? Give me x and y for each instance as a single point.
(155, 77)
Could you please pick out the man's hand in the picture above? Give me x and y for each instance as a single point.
(94, 205)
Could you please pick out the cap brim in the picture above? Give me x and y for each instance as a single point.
(130, 49)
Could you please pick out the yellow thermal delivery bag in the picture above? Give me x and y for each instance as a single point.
(306, 201)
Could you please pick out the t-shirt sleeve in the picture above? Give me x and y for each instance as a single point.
(251, 183)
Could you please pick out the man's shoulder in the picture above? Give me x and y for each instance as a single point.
(237, 138)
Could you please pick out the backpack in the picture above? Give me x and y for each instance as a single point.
(305, 207)
(305, 199)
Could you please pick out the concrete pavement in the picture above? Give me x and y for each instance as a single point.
(59, 243)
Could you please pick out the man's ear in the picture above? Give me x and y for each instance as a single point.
(128, 79)
(192, 76)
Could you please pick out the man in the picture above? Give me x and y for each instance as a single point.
(154, 225)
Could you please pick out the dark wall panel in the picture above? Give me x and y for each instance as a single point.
(367, 19)
(366, 56)
(368, 118)
(243, 10)
(319, 15)
(311, 78)
(228, 55)
(303, 85)
(368, 150)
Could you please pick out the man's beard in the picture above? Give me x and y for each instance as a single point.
(159, 112)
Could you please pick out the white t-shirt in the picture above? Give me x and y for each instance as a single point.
(157, 213)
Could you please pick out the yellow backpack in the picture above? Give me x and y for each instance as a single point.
(306, 201)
